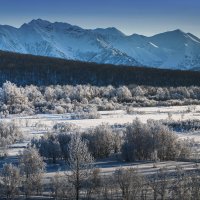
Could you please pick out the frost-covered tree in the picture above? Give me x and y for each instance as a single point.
(160, 94)
(48, 147)
(100, 141)
(160, 183)
(181, 184)
(137, 91)
(80, 163)
(66, 128)
(108, 91)
(123, 93)
(64, 131)
(49, 94)
(10, 177)
(142, 141)
(61, 188)
(54, 145)
(130, 183)
(138, 142)
(15, 98)
(32, 168)
(9, 133)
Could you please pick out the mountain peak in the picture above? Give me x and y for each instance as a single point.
(36, 22)
(44, 23)
(109, 31)
(39, 22)
(178, 31)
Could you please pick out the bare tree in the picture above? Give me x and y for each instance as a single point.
(154, 185)
(130, 183)
(181, 185)
(93, 184)
(10, 180)
(61, 188)
(195, 186)
(80, 163)
(164, 182)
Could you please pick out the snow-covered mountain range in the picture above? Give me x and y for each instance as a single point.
(173, 49)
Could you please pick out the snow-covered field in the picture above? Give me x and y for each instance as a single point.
(146, 168)
(38, 125)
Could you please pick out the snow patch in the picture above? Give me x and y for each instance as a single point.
(193, 39)
(153, 45)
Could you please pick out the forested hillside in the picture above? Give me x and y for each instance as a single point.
(28, 69)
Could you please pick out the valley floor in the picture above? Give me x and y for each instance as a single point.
(37, 125)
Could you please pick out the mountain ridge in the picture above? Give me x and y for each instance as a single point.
(172, 49)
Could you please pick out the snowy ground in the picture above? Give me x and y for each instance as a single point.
(38, 125)
(107, 167)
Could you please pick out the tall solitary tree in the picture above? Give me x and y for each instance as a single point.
(80, 163)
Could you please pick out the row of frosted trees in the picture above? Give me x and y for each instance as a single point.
(134, 141)
(86, 98)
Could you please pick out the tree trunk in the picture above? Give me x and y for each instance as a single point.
(77, 193)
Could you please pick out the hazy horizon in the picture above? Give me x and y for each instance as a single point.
(97, 27)
(129, 16)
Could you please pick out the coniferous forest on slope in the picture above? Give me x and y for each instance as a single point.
(28, 69)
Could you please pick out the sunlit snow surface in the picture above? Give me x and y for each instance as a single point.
(153, 45)
(38, 125)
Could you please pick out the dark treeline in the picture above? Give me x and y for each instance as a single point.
(37, 70)
(184, 125)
